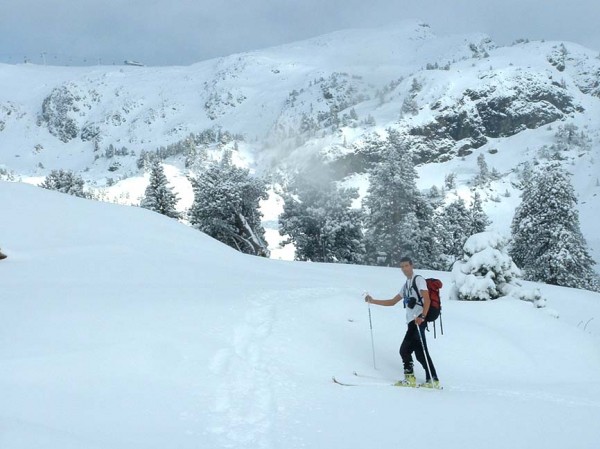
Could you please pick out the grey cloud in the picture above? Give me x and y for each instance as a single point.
(161, 32)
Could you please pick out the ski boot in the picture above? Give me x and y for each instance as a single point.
(435, 384)
(409, 381)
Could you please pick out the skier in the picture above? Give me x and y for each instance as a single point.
(417, 306)
(2, 255)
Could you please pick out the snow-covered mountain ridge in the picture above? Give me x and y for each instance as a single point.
(250, 94)
(451, 97)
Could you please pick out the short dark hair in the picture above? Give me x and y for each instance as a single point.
(406, 259)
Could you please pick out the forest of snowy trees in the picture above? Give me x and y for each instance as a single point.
(396, 219)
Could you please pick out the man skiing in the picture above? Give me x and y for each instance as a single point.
(417, 306)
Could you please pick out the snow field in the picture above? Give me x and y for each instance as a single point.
(121, 328)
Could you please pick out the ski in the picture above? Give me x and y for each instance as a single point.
(368, 376)
(364, 380)
(394, 383)
(361, 384)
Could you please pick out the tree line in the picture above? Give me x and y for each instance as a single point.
(396, 219)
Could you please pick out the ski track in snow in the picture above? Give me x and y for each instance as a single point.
(243, 407)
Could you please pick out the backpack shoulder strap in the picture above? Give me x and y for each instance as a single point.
(414, 287)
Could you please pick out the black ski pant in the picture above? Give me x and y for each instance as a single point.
(412, 343)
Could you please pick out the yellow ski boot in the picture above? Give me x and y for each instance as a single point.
(409, 381)
(435, 384)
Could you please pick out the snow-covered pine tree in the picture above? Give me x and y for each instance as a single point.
(484, 172)
(547, 240)
(226, 206)
(319, 219)
(159, 197)
(486, 271)
(479, 219)
(426, 250)
(420, 235)
(409, 105)
(392, 196)
(65, 181)
(524, 174)
(456, 224)
(450, 181)
(568, 136)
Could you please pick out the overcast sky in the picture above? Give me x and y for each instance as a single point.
(181, 32)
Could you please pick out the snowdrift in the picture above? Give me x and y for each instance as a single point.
(121, 328)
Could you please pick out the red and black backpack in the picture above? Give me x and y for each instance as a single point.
(435, 307)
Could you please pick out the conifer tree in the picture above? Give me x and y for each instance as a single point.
(421, 236)
(428, 253)
(319, 219)
(484, 176)
(409, 105)
(390, 198)
(485, 271)
(65, 181)
(450, 181)
(159, 197)
(547, 240)
(479, 219)
(227, 206)
(399, 220)
(456, 224)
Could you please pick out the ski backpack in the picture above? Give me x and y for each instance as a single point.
(435, 305)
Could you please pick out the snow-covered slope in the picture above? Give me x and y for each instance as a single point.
(330, 96)
(62, 110)
(121, 328)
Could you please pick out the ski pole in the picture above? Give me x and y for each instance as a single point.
(372, 340)
(424, 350)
